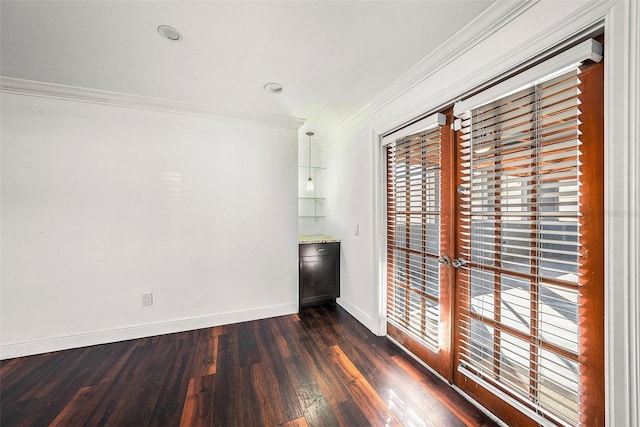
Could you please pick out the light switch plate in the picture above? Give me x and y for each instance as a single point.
(147, 300)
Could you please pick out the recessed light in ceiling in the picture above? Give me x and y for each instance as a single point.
(273, 87)
(169, 33)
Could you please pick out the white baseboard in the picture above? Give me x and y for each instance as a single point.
(27, 348)
(356, 312)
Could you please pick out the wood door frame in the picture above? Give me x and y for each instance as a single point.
(591, 347)
(442, 360)
(450, 179)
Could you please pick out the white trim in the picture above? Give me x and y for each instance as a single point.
(587, 50)
(356, 312)
(103, 97)
(622, 215)
(379, 180)
(429, 122)
(85, 339)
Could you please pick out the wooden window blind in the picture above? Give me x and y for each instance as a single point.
(525, 288)
(413, 235)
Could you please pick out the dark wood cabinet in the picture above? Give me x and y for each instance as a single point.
(319, 275)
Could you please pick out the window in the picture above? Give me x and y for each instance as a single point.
(413, 235)
(530, 294)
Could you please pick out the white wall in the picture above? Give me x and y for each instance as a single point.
(356, 184)
(101, 204)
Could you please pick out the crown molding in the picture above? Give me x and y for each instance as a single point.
(548, 40)
(118, 99)
(589, 16)
(491, 20)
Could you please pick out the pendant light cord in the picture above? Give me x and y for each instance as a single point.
(310, 134)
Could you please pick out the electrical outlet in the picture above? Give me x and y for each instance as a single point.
(147, 300)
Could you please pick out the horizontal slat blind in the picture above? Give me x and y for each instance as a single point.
(413, 235)
(520, 224)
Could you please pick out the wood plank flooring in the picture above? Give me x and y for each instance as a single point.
(318, 368)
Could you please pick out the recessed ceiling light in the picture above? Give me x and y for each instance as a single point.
(169, 33)
(273, 87)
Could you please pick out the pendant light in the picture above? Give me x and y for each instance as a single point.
(310, 185)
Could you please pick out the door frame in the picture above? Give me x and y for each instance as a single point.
(440, 361)
(621, 22)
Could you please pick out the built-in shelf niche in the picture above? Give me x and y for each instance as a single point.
(311, 203)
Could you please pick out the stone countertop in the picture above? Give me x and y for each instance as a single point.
(316, 238)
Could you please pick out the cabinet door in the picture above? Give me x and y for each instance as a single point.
(319, 277)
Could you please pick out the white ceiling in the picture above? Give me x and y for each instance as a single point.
(332, 57)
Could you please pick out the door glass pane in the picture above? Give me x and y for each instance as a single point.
(521, 215)
(413, 235)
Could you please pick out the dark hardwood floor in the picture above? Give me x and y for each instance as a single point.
(318, 368)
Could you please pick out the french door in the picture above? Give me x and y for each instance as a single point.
(495, 249)
(420, 176)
